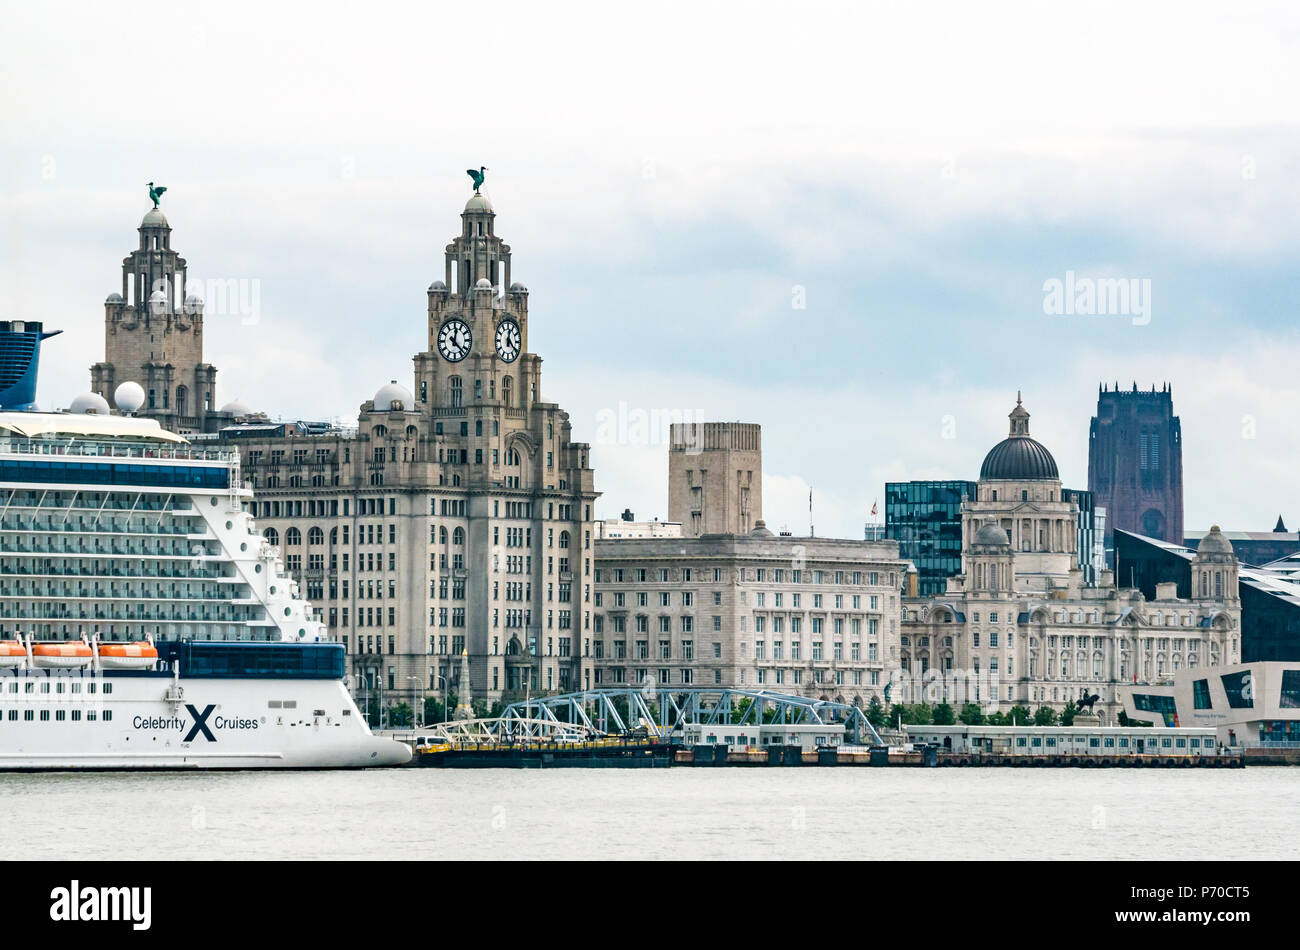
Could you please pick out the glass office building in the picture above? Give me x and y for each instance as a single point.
(1090, 534)
(925, 519)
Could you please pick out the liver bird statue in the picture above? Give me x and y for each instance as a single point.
(477, 176)
(156, 193)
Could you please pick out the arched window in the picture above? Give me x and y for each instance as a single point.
(380, 432)
(334, 535)
(272, 536)
(315, 536)
(455, 392)
(458, 536)
(564, 539)
(182, 399)
(508, 392)
(412, 432)
(442, 535)
(293, 536)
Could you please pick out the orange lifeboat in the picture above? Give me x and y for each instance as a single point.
(12, 653)
(70, 653)
(141, 655)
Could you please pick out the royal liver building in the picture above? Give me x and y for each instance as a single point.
(454, 526)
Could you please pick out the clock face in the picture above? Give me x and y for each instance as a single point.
(454, 340)
(508, 340)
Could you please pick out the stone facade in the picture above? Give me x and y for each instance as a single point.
(452, 529)
(153, 335)
(715, 477)
(811, 616)
(1019, 625)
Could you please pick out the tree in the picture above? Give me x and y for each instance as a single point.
(875, 713)
(1067, 714)
(917, 714)
(399, 716)
(943, 715)
(1019, 716)
(434, 711)
(971, 714)
(996, 719)
(1045, 716)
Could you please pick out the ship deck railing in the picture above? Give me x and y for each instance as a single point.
(110, 450)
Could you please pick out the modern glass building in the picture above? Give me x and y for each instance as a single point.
(1091, 532)
(925, 519)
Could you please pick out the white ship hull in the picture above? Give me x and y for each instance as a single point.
(153, 721)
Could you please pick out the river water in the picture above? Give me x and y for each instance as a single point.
(896, 813)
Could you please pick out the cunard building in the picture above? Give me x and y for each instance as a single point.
(1019, 625)
(453, 528)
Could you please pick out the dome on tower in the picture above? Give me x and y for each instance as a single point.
(393, 396)
(1214, 543)
(237, 409)
(1018, 457)
(478, 203)
(992, 534)
(518, 288)
(438, 287)
(90, 403)
(483, 284)
(114, 298)
(155, 219)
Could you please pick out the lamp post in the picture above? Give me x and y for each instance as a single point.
(415, 685)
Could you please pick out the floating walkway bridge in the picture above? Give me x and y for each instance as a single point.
(623, 710)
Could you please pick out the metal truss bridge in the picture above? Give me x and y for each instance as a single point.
(621, 710)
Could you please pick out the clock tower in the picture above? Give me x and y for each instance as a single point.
(510, 482)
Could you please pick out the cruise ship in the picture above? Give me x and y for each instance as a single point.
(144, 622)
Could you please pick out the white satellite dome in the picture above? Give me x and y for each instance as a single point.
(483, 284)
(129, 396)
(393, 396)
(90, 403)
(237, 409)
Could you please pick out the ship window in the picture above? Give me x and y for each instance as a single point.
(28, 715)
(13, 715)
(108, 715)
(45, 715)
(108, 688)
(90, 715)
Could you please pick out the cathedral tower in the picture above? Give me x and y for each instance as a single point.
(1135, 463)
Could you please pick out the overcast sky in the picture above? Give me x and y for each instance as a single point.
(833, 220)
